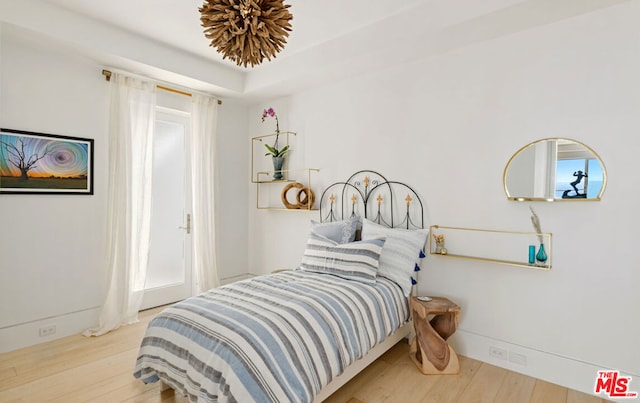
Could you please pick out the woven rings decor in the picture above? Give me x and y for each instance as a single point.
(246, 31)
(305, 202)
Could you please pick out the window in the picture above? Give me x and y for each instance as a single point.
(578, 173)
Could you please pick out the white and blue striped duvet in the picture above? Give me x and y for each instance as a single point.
(277, 338)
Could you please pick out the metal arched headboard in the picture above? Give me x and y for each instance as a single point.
(370, 195)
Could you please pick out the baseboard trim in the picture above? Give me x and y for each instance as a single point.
(554, 368)
(28, 334)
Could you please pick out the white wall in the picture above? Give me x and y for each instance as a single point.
(447, 125)
(232, 199)
(52, 247)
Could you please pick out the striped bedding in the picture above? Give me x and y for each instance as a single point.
(275, 338)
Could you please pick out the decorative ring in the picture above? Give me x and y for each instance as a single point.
(301, 202)
(309, 198)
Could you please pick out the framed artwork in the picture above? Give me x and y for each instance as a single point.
(45, 163)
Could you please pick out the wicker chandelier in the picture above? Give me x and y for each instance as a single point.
(246, 31)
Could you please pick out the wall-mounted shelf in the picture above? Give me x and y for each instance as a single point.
(491, 246)
(269, 192)
(292, 191)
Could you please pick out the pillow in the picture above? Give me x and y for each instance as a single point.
(352, 261)
(339, 231)
(401, 253)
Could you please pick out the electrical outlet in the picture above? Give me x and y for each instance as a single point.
(519, 359)
(47, 330)
(498, 352)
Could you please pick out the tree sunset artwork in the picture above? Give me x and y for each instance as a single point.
(44, 163)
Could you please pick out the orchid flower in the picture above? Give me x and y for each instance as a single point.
(273, 150)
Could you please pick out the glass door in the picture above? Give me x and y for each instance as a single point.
(169, 275)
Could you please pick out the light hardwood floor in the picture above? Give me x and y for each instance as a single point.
(81, 369)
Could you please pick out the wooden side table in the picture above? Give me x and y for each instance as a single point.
(429, 349)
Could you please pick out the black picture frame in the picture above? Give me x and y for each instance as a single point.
(40, 163)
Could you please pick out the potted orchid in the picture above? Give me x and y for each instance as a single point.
(277, 155)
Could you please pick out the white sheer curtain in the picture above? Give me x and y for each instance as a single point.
(204, 117)
(131, 125)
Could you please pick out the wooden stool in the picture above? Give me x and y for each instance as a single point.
(429, 349)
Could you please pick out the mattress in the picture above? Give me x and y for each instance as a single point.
(275, 338)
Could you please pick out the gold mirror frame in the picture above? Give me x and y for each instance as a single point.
(545, 157)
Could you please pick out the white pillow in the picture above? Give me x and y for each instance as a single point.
(353, 261)
(402, 251)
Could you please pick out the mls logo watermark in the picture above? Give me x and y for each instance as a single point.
(613, 384)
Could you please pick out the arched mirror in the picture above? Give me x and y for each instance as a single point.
(555, 170)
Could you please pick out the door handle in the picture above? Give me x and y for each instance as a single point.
(188, 227)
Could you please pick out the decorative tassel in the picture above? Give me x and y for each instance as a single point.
(417, 268)
(413, 281)
(422, 255)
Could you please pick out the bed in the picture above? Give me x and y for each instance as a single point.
(299, 335)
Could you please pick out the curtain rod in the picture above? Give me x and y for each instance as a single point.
(107, 76)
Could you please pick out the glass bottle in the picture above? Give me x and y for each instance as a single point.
(541, 256)
(532, 254)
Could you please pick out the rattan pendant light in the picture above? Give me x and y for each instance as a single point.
(246, 31)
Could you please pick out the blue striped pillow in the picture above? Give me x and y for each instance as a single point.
(352, 261)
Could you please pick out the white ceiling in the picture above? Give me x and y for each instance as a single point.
(330, 40)
(177, 22)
